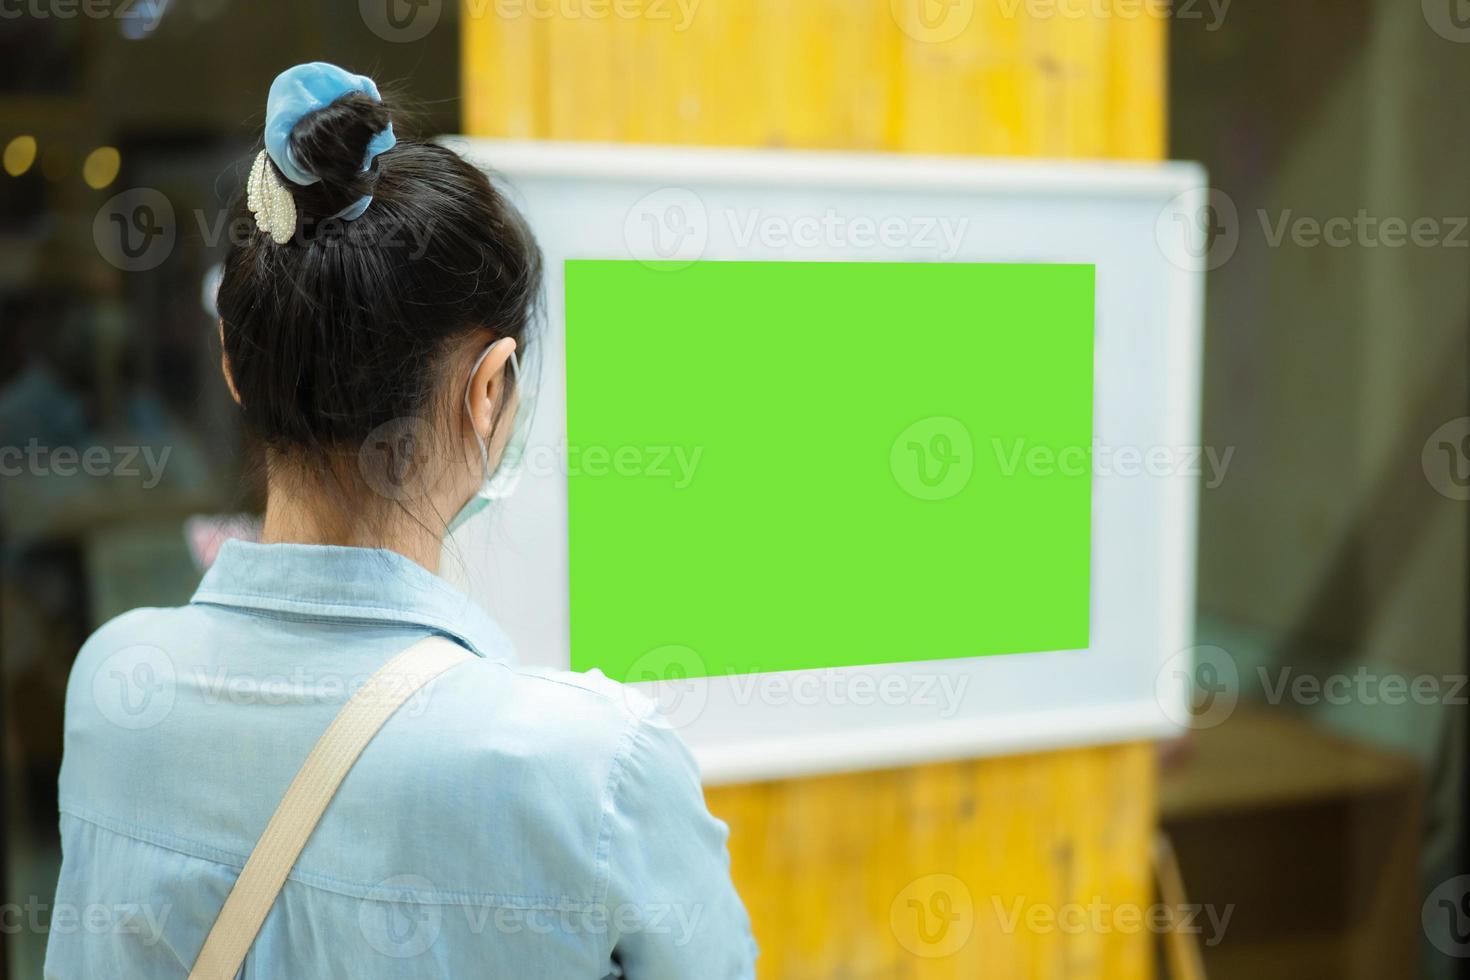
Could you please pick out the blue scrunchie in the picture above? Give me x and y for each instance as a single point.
(304, 89)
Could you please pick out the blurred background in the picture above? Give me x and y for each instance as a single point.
(1314, 816)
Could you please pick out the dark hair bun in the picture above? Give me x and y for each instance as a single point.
(331, 143)
(354, 324)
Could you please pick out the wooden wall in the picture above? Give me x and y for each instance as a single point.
(823, 74)
(911, 873)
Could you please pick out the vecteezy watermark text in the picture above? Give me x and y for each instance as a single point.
(305, 686)
(1018, 455)
(35, 459)
(942, 691)
(136, 230)
(1363, 686)
(95, 919)
(679, 13)
(1098, 917)
(1212, 12)
(1201, 230)
(672, 227)
(403, 925)
(1364, 230)
(683, 686)
(1201, 687)
(658, 462)
(148, 11)
(942, 236)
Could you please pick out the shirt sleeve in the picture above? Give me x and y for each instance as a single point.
(672, 907)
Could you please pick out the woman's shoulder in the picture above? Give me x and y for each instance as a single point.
(577, 755)
(579, 713)
(138, 647)
(158, 661)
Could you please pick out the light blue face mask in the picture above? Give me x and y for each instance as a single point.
(502, 482)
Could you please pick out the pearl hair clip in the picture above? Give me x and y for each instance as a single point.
(270, 200)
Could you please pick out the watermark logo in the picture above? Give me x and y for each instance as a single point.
(1450, 19)
(303, 685)
(934, 458)
(1446, 459)
(669, 227)
(932, 21)
(681, 694)
(400, 927)
(683, 687)
(400, 21)
(394, 458)
(403, 918)
(135, 230)
(1210, 681)
(135, 687)
(933, 916)
(1446, 917)
(1199, 233)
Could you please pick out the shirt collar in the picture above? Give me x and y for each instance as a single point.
(367, 584)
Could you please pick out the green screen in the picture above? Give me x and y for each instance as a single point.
(788, 465)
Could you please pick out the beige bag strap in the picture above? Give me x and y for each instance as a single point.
(315, 784)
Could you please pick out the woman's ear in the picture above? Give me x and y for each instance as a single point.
(487, 382)
(224, 365)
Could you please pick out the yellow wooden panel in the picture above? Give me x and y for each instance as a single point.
(502, 70)
(861, 875)
(829, 866)
(579, 60)
(1023, 77)
(1138, 88)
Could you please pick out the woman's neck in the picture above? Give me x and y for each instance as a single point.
(293, 517)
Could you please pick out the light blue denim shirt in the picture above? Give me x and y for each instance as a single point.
(504, 823)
